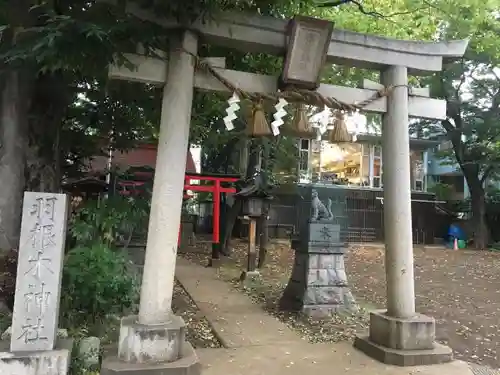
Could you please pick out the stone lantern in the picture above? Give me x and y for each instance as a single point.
(255, 193)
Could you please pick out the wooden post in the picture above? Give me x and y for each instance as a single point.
(251, 274)
(252, 250)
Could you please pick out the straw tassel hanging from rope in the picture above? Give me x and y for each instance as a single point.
(301, 127)
(258, 125)
(339, 132)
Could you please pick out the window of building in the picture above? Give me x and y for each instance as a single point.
(304, 155)
(417, 170)
(304, 159)
(352, 164)
(341, 164)
(365, 166)
(446, 145)
(377, 166)
(315, 160)
(304, 144)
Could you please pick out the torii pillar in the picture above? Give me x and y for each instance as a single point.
(154, 341)
(399, 335)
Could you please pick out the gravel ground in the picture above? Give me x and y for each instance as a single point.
(460, 289)
(268, 292)
(199, 332)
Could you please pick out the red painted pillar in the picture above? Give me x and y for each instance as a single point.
(216, 211)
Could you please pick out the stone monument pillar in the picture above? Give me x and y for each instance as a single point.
(399, 335)
(318, 284)
(154, 341)
(34, 346)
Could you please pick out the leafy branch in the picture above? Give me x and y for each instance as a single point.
(362, 9)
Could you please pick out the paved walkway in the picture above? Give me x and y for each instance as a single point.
(259, 344)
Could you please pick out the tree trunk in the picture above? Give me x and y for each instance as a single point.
(231, 218)
(481, 230)
(478, 207)
(13, 141)
(50, 101)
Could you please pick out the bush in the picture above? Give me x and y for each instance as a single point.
(96, 282)
(111, 221)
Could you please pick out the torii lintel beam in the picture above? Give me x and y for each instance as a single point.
(153, 71)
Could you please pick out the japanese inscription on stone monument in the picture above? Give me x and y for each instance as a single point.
(321, 232)
(41, 253)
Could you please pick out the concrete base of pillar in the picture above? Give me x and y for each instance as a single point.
(140, 343)
(398, 357)
(47, 362)
(187, 365)
(415, 333)
(152, 349)
(250, 278)
(403, 341)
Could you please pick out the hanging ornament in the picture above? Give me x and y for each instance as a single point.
(231, 111)
(355, 118)
(339, 133)
(322, 125)
(301, 127)
(258, 125)
(319, 134)
(278, 116)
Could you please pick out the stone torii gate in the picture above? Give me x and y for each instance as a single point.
(153, 341)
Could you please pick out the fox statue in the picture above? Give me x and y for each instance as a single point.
(320, 211)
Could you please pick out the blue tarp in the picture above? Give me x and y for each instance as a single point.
(454, 231)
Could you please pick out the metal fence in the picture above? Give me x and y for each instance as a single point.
(365, 217)
(364, 211)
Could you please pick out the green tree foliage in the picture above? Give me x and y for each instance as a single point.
(53, 54)
(471, 88)
(113, 221)
(58, 107)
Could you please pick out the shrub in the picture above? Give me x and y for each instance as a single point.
(110, 221)
(96, 282)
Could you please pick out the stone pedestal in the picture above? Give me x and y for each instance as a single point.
(318, 284)
(152, 350)
(415, 333)
(42, 362)
(250, 279)
(140, 343)
(403, 341)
